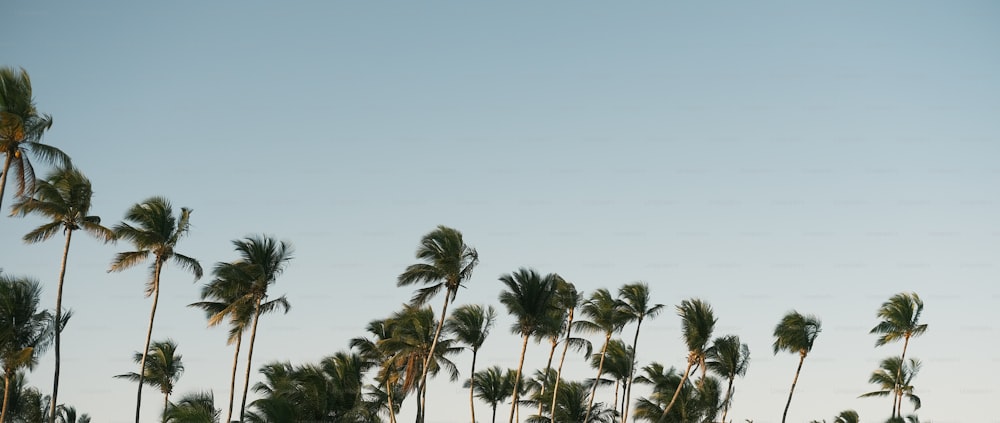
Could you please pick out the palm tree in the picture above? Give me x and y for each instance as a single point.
(21, 128)
(447, 263)
(529, 298)
(895, 378)
(846, 416)
(471, 324)
(25, 332)
(618, 363)
(636, 304)
(197, 407)
(900, 320)
(572, 407)
(68, 414)
(376, 351)
(567, 298)
(796, 333)
(693, 404)
(607, 318)
(261, 260)
(163, 368)
(63, 198)
(492, 386)
(729, 358)
(697, 323)
(156, 233)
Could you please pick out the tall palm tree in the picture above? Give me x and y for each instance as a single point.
(607, 318)
(21, 128)
(491, 386)
(569, 299)
(261, 260)
(68, 414)
(447, 263)
(197, 407)
(895, 378)
(63, 198)
(376, 351)
(470, 325)
(155, 233)
(900, 320)
(164, 368)
(729, 358)
(572, 407)
(618, 362)
(529, 298)
(697, 324)
(796, 333)
(695, 402)
(637, 305)
(25, 332)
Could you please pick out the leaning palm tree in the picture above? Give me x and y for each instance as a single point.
(25, 332)
(900, 320)
(21, 128)
(796, 333)
(470, 325)
(895, 378)
(697, 323)
(163, 369)
(637, 305)
(728, 358)
(491, 386)
(197, 407)
(375, 350)
(569, 299)
(155, 233)
(607, 318)
(618, 362)
(63, 198)
(447, 263)
(529, 299)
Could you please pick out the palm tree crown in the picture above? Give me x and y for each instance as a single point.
(25, 331)
(900, 318)
(795, 333)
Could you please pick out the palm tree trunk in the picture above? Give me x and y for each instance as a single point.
(392, 405)
(802, 358)
(59, 293)
(631, 370)
(555, 389)
(729, 396)
(166, 403)
(149, 336)
(472, 385)
(600, 369)
(678, 390)
(232, 379)
(615, 405)
(253, 336)
(6, 392)
(548, 366)
(494, 412)
(3, 176)
(430, 356)
(897, 400)
(517, 378)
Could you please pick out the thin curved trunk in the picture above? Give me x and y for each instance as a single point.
(729, 396)
(897, 400)
(472, 385)
(430, 356)
(59, 294)
(494, 412)
(253, 336)
(232, 379)
(802, 358)
(555, 389)
(392, 405)
(548, 366)
(600, 369)
(6, 395)
(149, 336)
(3, 176)
(678, 390)
(166, 403)
(517, 378)
(631, 370)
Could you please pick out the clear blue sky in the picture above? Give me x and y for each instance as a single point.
(764, 156)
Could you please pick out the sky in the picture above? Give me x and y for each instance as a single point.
(763, 156)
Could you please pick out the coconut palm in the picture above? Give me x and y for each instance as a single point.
(447, 263)
(261, 260)
(846, 416)
(796, 333)
(21, 129)
(697, 323)
(895, 378)
(492, 386)
(63, 198)
(376, 351)
(637, 305)
(900, 320)
(25, 403)
(164, 368)
(197, 407)
(155, 233)
(607, 318)
(574, 400)
(569, 299)
(728, 358)
(25, 331)
(529, 298)
(695, 402)
(470, 325)
(618, 365)
(68, 414)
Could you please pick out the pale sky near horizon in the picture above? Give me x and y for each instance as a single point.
(763, 156)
